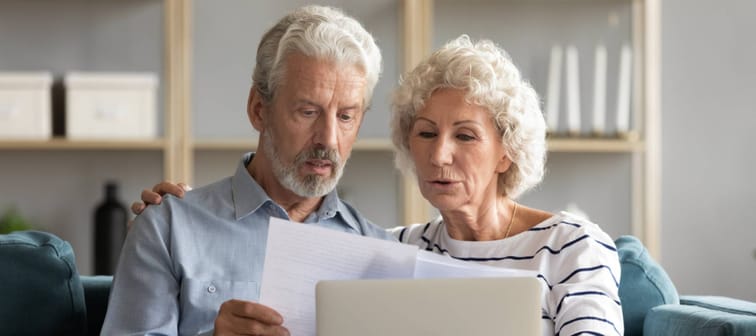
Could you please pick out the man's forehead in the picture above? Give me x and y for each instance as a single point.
(308, 78)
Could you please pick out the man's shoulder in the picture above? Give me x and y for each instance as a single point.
(219, 188)
(204, 197)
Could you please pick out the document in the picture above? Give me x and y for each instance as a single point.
(299, 255)
(432, 265)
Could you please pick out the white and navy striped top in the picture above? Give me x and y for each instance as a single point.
(576, 263)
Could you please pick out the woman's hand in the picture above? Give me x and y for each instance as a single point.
(155, 196)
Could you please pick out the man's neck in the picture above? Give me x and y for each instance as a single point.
(297, 207)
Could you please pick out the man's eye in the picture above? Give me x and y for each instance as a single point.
(426, 135)
(345, 117)
(309, 113)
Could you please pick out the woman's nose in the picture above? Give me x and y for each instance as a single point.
(441, 152)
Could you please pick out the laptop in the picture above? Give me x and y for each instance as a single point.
(439, 307)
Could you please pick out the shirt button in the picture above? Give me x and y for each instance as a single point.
(211, 289)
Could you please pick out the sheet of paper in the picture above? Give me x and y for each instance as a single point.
(299, 255)
(431, 265)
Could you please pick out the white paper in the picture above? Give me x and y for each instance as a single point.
(555, 77)
(599, 90)
(299, 255)
(432, 265)
(573, 91)
(623, 90)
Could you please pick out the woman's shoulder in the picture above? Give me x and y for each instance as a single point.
(565, 228)
(415, 232)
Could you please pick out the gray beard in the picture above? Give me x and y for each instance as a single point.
(309, 185)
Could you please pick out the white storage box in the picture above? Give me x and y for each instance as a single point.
(111, 105)
(25, 111)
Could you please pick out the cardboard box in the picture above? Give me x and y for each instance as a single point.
(25, 111)
(111, 106)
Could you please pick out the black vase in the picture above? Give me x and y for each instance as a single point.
(110, 221)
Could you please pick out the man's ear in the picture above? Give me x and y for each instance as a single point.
(255, 107)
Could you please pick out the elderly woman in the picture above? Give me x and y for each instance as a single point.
(471, 129)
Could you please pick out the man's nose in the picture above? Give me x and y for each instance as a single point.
(326, 132)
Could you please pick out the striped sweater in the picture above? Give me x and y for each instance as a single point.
(576, 262)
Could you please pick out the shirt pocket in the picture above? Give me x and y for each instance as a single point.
(201, 300)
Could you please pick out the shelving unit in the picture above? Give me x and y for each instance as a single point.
(405, 34)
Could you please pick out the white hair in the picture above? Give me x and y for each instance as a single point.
(320, 32)
(492, 81)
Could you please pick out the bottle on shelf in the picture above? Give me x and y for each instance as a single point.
(110, 220)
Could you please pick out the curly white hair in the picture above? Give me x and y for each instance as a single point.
(491, 80)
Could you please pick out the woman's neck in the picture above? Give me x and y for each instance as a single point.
(490, 221)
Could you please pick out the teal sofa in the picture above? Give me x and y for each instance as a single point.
(41, 290)
(43, 294)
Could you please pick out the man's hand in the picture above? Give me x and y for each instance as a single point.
(238, 317)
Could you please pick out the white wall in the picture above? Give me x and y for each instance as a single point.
(708, 146)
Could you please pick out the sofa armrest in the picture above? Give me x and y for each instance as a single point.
(96, 293)
(702, 315)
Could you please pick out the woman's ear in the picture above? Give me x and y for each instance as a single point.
(504, 164)
(255, 108)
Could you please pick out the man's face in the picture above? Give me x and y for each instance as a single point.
(312, 123)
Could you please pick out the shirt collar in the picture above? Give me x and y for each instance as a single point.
(249, 196)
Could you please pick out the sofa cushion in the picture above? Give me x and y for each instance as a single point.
(721, 303)
(42, 293)
(643, 284)
(698, 315)
(96, 292)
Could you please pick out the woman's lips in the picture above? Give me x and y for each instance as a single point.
(442, 184)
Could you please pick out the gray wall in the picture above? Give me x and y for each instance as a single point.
(709, 192)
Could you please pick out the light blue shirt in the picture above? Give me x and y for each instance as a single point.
(183, 258)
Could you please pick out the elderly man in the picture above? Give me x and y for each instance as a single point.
(193, 265)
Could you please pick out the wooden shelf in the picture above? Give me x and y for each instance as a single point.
(243, 144)
(66, 144)
(598, 145)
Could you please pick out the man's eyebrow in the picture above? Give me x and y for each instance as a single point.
(350, 107)
(303, 101)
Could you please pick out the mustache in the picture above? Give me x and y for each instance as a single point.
(319, 153)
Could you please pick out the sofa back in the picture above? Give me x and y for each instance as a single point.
(643, 285)
(40, 286)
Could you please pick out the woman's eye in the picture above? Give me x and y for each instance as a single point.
(345, 117)
(465, 137)
(426, 135)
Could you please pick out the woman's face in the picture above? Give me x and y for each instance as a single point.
(457, 151)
